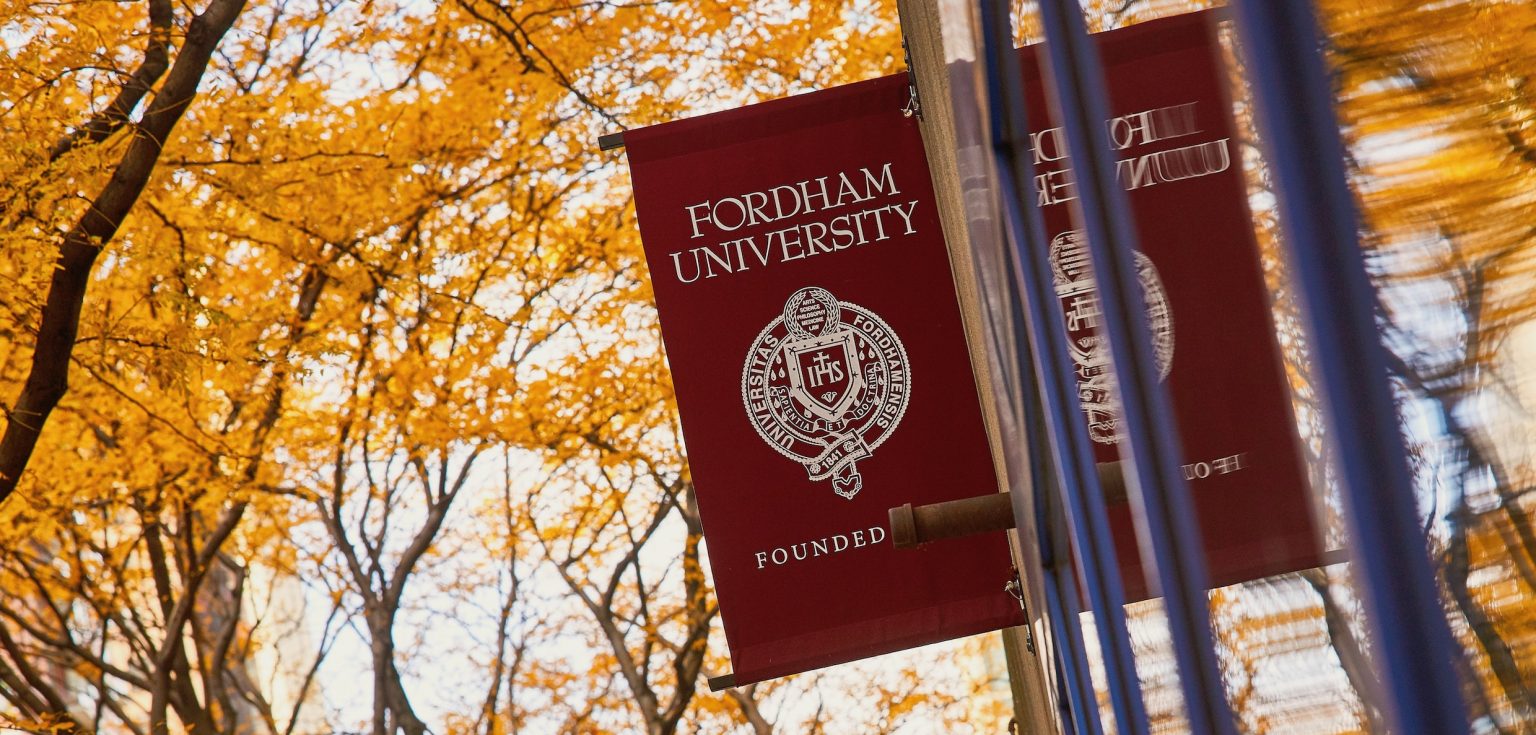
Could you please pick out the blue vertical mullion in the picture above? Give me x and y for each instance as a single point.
(1413, 647)
(1071, 449)
(1168, 530)
(1062, 607)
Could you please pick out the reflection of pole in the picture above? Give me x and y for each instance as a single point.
(943, 52)
(1166, 524)
(1070, 450)
(1414, 651)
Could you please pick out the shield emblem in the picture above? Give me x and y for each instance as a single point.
(824, 373)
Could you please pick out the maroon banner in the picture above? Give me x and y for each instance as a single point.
(1209, 313)
(815, 341)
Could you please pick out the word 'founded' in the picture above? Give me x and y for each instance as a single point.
(759, 217)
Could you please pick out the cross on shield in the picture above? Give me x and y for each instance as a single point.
(824, 373)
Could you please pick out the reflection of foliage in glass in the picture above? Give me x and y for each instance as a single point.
(1437, 108)
(1437, 105)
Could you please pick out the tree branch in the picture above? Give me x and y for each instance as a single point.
(156, 61)
(60, 323)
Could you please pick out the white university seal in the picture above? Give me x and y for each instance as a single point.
(824, 384)
(1070, 271)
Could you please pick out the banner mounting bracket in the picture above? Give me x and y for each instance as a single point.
(1015, 589)
(914, 106)
(610, 141)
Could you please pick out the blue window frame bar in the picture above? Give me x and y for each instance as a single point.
(1415, 651)
(1167, 528)
(1068, 656)
(1082, 498)
(1062, 595)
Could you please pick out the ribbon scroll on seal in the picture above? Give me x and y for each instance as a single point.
(824, 384)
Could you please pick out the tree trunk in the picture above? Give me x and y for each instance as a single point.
(48, 379)
(392, 710)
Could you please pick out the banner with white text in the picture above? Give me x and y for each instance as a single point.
(815, 341)
(1180, 162)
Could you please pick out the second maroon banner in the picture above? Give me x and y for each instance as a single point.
(815, 341)
(1180, 163)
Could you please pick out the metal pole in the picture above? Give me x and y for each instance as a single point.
(1168, 529)
(1071, 450)
(1413, 647)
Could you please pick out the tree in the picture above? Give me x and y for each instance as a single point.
(370, 329)
(1447, 219)
(102, 215)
